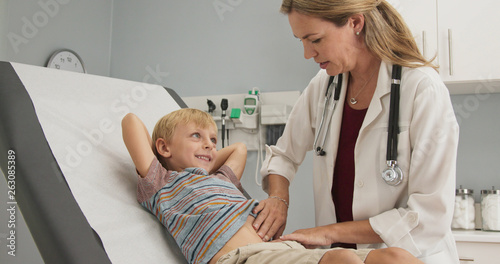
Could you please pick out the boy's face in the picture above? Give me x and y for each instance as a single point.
(192, 146)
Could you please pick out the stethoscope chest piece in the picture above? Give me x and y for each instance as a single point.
(392, 175)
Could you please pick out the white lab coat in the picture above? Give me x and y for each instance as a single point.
(415, 215)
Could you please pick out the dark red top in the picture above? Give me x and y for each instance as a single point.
(343, 174)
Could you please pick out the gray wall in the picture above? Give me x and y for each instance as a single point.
(206, 48)
(33, 30)
(478, 162)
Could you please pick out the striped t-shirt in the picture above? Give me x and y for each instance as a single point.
(202, 212)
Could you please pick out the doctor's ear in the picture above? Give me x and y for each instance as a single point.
(163, 148)
(357, 22)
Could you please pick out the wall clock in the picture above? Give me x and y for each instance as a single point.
(68, 60)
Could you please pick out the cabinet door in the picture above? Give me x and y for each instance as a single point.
(478, 252)
(421, 18)
(472, 27)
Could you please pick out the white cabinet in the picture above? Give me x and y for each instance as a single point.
(465, 35)
(420, 16)
(475, 39)
(478, 252)
(477, 246)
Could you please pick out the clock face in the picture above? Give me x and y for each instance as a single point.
(66, 60)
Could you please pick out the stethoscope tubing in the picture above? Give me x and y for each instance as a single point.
(328, 111)
(393, 126)
(393, 175)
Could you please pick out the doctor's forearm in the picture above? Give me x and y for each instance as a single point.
(272, 212)
(358, 232)
(278, 186)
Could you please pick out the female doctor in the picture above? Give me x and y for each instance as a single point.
(361, 40)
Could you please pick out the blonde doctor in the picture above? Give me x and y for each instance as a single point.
(354, 206)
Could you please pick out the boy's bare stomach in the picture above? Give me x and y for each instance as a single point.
(246, 235)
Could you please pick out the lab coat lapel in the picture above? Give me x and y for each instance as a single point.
(383, 89)
(331, 146)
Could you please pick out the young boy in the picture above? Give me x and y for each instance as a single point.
(191, 188)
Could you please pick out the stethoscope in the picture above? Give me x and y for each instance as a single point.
(392, 175)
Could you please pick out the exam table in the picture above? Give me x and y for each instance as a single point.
(75, 183)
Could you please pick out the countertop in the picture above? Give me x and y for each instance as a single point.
(476, 236)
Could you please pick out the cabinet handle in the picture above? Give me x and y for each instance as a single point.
(450, 50)
(467, 259)
(424, 42)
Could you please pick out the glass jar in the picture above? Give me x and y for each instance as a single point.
(464, 215)
(490, 209)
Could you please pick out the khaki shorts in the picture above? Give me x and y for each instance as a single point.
(279, 253)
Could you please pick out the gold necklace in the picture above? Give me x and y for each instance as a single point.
(353, 99)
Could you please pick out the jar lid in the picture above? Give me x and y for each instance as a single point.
(491, 191)
(464, 191)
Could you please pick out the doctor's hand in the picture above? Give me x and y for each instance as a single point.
(271, 219)
(311, 237)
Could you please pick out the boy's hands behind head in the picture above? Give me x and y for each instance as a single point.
(190, 146)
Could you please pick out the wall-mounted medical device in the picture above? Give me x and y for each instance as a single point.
(224, 104)
(251, 101)
(275, 114)
(243, 120)
(274, 118)
(271, 110)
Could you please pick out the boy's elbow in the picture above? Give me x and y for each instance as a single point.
(241, 147)
(127, 118)
(129, 121)
(127, 124)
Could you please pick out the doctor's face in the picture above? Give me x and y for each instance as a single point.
(332, 47)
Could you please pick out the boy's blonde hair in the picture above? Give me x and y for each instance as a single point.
(165, 127)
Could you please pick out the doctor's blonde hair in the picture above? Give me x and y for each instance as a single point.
(165, 127)
(386, 34)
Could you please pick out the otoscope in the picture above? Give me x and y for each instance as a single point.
(211, 106)
(223, 106)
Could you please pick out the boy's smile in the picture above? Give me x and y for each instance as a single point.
(192, 146)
